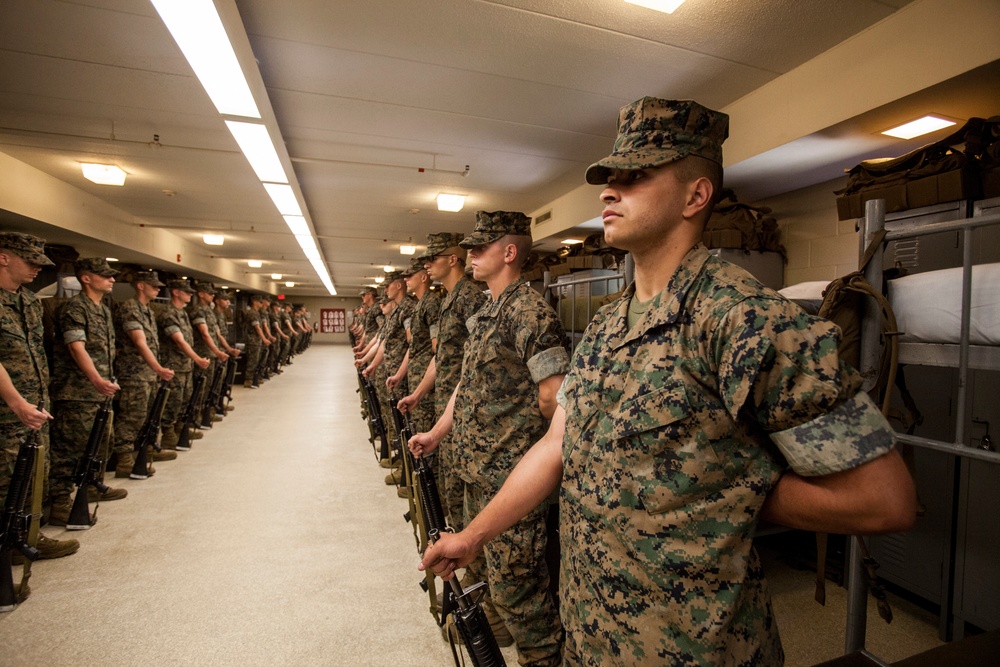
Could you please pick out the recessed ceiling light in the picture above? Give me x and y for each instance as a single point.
(254, 263)
(451, 203)
(284, 198)
(571, 241)
(275, 276)
(668, 6)
(103, 174)
(407, 249)
(213, 239)
(915, 128)
(289, 284)
(388, 268)
(379, 280)
(256, 145)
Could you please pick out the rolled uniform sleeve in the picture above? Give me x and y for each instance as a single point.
(545, 364)
(73, 322)
(780, 367)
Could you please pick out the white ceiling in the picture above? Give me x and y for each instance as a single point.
(365, 95)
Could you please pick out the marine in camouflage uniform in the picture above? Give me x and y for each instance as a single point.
(177, 352)
(137, 378)
(516, 343)
(393, 348)
(683, 414)
(421, 351)
(85, 324)
(24, 373)
(444, 261)
(201, 312)
(254, 340)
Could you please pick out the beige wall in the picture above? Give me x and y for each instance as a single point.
(819, 246)
(314, 304)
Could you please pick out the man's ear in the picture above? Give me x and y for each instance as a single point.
(699, 196)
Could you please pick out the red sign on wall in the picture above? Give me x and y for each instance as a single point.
(332, 320)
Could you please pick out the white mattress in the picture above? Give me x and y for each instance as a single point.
(928, 306)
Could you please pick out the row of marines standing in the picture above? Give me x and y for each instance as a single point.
(100, 353)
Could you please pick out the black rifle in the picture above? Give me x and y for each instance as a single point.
(470, 619)
(226, 393)
(146, 437)
(15, 521)
(375, 419)
(187, 418)
(258, 372)
(88, 469)
(212, 395)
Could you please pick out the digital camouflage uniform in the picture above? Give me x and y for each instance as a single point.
(675, 433)
(137, 380)
(203, 313)
(515, 342)
(371, 321)
(76, 400)
(251, 321)
(170, 321)
(22, 353)
(425, 316)
(394, 335)
(451, 332)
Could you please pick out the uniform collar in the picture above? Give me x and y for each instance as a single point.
(494, 308)
(665, 307)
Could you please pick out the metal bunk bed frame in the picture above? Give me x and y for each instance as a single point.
(964, 356)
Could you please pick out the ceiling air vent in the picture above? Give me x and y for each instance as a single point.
(544, 217)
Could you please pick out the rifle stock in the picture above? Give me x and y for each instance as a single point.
(226, 393)
(212, 395)
(15, 522)
(187, 418)
(146, 437)
(88, 469)
(470, 618)
(375, 419)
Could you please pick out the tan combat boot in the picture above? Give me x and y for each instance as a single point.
(48, 548)
(164, 455)
(61, 508)
(95, 496)
(169, 439)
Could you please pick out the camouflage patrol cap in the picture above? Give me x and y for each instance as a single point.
(416, 265)
(382, 297)
(96, 265)
(149, 277)
(182, 285)
(654, 132)
(390, 278)
(368, 290)
(223, 295)
(491, 226)
(207, 288)
(438, 242)
(29, 248)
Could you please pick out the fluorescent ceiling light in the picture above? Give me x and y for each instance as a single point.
(254, 263)
(915, 128)
(258, 148)
(571, 241)
(213, 239)
(388, 268)
(103, 174)
(297, 224)
(112, 259)
(198, 31)
(284, 198)
(667, 6)
(275, 276)
(289, 284)
(451, 203)
(379, 280)
(407, 249)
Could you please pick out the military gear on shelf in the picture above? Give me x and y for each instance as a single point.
(737, 225)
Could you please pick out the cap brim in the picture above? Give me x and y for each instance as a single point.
(480, 238)
(39, 260)
(597, 173)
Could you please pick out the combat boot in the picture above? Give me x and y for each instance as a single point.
(393, 478)
(60, 511)
(127, 461)
(164, 455)
(169, 439)
(48, 548)
(95, 496)
(196, 434)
